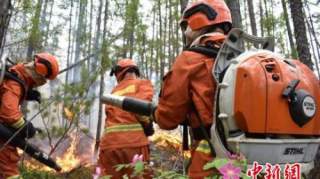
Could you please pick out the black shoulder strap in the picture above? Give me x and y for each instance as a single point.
(13, 76)
(204, 132)
(210, 52)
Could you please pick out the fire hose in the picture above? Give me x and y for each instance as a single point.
(31, 150)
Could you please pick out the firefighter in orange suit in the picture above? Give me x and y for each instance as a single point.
(125, 133)
(187, 93)
(16, 88)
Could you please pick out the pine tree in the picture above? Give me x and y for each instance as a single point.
(234, 7)
(34, 42)
(183, 5)
(288, 26)
(252, 17)
(5, 6)
(300, 32)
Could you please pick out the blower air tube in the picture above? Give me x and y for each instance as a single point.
(130, 104)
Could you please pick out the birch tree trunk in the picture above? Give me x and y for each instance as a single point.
(69, 52)
(79, 33)
(102, 72)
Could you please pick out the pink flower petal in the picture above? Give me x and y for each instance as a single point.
(229, 171)
(98, 171)
(135, 158)
(140, 157)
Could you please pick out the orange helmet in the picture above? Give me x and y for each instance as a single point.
(205, 13)
(123, 66)
(46, 65)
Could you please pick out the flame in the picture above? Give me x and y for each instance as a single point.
(68, 160)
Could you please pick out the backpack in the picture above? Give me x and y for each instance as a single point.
(222, 58)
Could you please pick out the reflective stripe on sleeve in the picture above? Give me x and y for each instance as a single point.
(18, 123)
(124, 128)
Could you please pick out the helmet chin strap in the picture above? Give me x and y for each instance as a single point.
(194, 35)
(120, 75)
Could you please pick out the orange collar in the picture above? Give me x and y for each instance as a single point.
(22, 74)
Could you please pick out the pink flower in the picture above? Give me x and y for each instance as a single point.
(235, 156)
(97, 174)
(230, 172)
(232, 156)
(136, 158)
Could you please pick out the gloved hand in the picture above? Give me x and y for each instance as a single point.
(33, 95)
(147, 125)
(148, 129)
(152, 117)
(28, 131)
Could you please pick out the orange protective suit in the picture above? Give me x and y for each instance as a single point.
(188, 93)
(124, 136)
(10, 113)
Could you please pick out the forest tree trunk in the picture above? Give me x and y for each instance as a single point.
(300, 32)
(234, 7)
(5, 6)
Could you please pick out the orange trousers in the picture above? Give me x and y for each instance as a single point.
(197, 162)
(109, 158)
(9, 159)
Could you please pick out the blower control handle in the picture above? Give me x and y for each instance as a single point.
(290, 89)
(302, 105)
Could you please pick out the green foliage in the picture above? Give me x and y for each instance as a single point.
(35, 33)
(268, 22)
(139, 168)
(170, 175)
(234, 160)
(31, 174)
(105, 60)
(81, 173)
(27, 6)
(217, 163)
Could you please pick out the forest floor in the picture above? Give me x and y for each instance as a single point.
(166, 155)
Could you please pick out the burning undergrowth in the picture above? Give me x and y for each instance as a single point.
(75, 156)
(74, 151)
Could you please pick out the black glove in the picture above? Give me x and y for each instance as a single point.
(148, 129)
(27, 131)
(33, 95)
